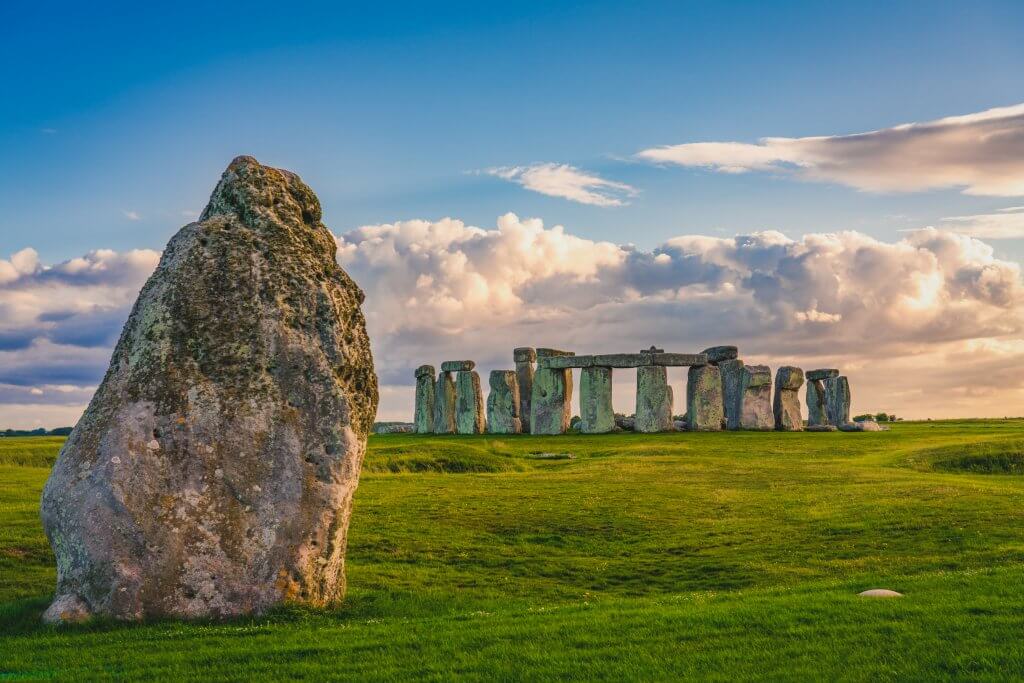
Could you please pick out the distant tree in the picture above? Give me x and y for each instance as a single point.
(881, 417)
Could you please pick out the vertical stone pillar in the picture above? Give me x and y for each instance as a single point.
(524, 358)
(788, 381)
(816, 414)
(837, 400)
(653, 399)
(469, 402)
(756, 409)
(444, 404)
(551, 398)
(704, 404)
(732, 391)
(423, 416)
(503, 403)
(596, 414)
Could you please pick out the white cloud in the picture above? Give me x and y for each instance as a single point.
(981, 153)
(568, 182)
(132, 215)
(1007, 223)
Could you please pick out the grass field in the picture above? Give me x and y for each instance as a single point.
(708, 556)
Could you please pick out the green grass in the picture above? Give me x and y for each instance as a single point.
(708, 556)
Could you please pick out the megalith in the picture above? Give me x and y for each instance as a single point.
(596, 414)
(212, 473)
(756, 408)
(704, 405)
(653, 400)
(816, 414)
(444, 403)
(732, 391)
(469, 401)
(423, 415)
(788, 381)
(718, 354)
(524, 358)
(551, 399)
(837, 400)
(503, 403)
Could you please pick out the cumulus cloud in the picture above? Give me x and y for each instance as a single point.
(567, 182)
(1007, 223)
(982, 153)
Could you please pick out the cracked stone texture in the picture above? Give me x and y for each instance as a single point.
(524, 358)
(596, 414)
(732, 391)
(551, 401)
(786, 406)
(503, 403)
(469, 403)
(423, 414)
(704, 403)
(837, 400)
(444, 404)
(816, 416)
(653, 400)
(212, 473)
(756, 409)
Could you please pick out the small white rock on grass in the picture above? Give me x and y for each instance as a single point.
(880, 593)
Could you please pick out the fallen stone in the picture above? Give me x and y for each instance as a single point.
(444, 404)
(457, 365)
(821, 428)
(864, 426)
(717, 354)
(821, 374)
(469, 403)
(880, 593)
(503, 403)
(788, 418)
(732, 391)
(756, 409)
(704, 405)
(394, 427)
(524, 358)
(423, 414)
(551, 400)
(596, 414)
(245, 362)
(837, 400)
(653, 400)
(626, 423)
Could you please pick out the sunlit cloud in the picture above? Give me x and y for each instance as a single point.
(567, 182)
(1007, 223)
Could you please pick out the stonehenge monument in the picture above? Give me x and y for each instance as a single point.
(788, 381)
(503, 415)
(423, 416)
(722, 392)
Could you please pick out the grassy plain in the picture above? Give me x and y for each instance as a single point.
(709, 556)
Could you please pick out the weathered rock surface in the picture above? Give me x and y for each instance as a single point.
(524, 358)
(423, 414)
(788, 381)
(503, 403)
(862, 426)
(821, 374)
(444, 404)
(704, 404)
(469, 403)
(732, 391)
(756, 411)
(457, 365)
(213, 471)
(394, 427)
(816, 403)
(596, 414)
(717, 354)
(653, 400)
(821, 428)
(550, 402)
(837, 400)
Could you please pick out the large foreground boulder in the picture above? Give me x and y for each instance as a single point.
(212, 474)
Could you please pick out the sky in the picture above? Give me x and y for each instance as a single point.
(822, 185)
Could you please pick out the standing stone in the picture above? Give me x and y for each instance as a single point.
(423, 416)
(756, 410)
(596, 414)
(444, 404)
(469, 403)
(524, 358)
(732, 391)
(551, 400)
(212, 473)
(837, 400)
(788, 381)
(704, 405)
(653, 400)
(503, 403)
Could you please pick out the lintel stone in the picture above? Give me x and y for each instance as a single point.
(457, 365)
(826, 373)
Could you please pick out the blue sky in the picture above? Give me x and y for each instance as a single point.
(133, 111)
(117, 121)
